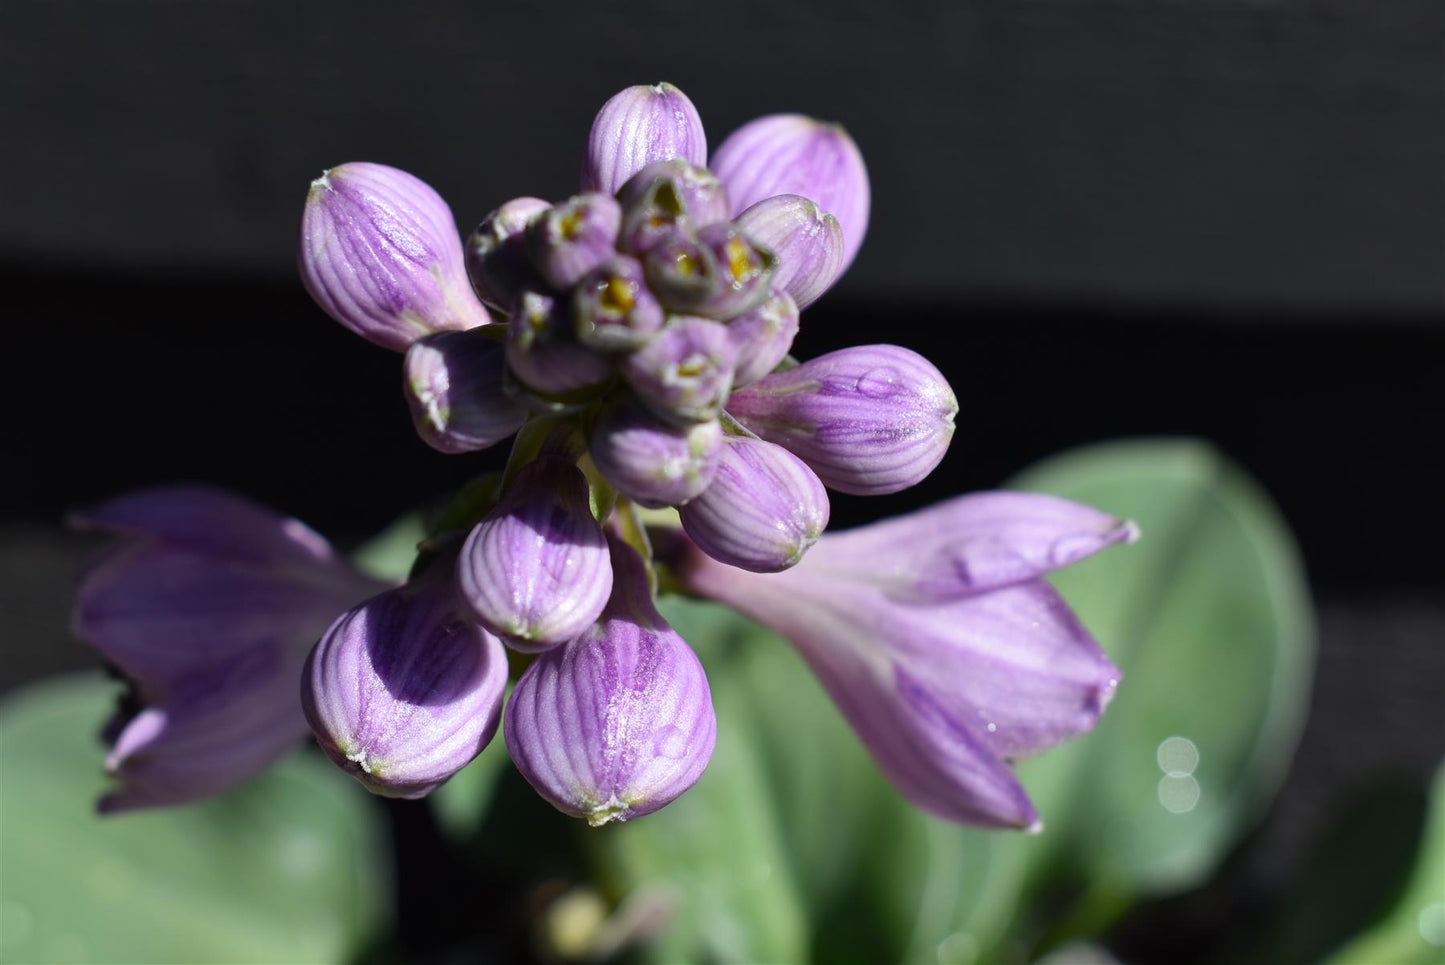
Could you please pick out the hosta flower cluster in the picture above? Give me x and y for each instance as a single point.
(635, 340)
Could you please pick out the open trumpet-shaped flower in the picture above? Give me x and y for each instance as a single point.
(941, 643)
(208, 606)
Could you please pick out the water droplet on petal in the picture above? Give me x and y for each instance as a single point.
(880, 383)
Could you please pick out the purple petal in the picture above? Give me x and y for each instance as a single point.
(572, 238)
(613, 309)
(794, 154)
(402, 691)
(454, 384)
(763, 510)
(974, 543)
(638, 126)
(544, 353)
(807, 242)
(868, 420)
(702, 197)
(618, 722)
(381, 255)
(536, 571)
(943, 694)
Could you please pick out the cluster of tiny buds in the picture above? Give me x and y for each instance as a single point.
(636, 339)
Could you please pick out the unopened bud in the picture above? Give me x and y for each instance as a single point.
(686, 371)
(637, 126)
(653, 462)
(704, 199)
(536, 569)
(543, 350)
(763, 336)
(612, 308)
(807, 242)
(868, 420)
(496, 252)
(454, 385)
(572, 238)
(380, 254)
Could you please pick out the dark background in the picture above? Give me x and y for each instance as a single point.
(1201, 217)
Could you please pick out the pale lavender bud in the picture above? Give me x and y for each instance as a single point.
(704, 200)
(496, 252)
(718, 272)
(637, 126)
(612, 308)
(543, 351)
(403, 691)
(651, 218)
(762, 511)
(807, 242)
(763, 336)
(536, 571)
(653, 462)
(794, 154)
(570, 239)
(619, 722)
(454, 384)
(684, 373)
(868, 420)
(380, 254)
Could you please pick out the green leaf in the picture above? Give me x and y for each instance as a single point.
(1413, 933)
(389, 554)
(461, 804)
(716, 854)
(288, 868)
(1209, 618)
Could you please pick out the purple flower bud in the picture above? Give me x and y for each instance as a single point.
(806, 241)
(536, 570)
(618, 722)
(793, 154)
(543, 351)
(703, 198)
(613, 310)
(653, 462)
(454, 385)
(653, 217)
(496, 252)
(403, 691)
(686, 371)
(208, 607)
(868, 420)
(572, 238)
(718, 272)
(763, 336)
(380, 254)
(762, 511)
(946, 691)
(637, 126)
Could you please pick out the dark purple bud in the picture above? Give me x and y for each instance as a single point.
(704, 200)
(403, 691)
(868, 420)
(718, 272)
(619, 722)
(807, 242)
(686, 371)
(653, 462)
(536, 570)
(380, 254)
(653, 217)
(763, 336)
(762, 511)
(793, 154)
(638, 126)
(572, 238)
(612, 308)
(543, 351)
(454, 385)
(496, 252)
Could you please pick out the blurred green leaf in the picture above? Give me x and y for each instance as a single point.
(461, 803)
(716, 854)
(289, 868)
(1209, 618)
(389, 554)
(1413, 933)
